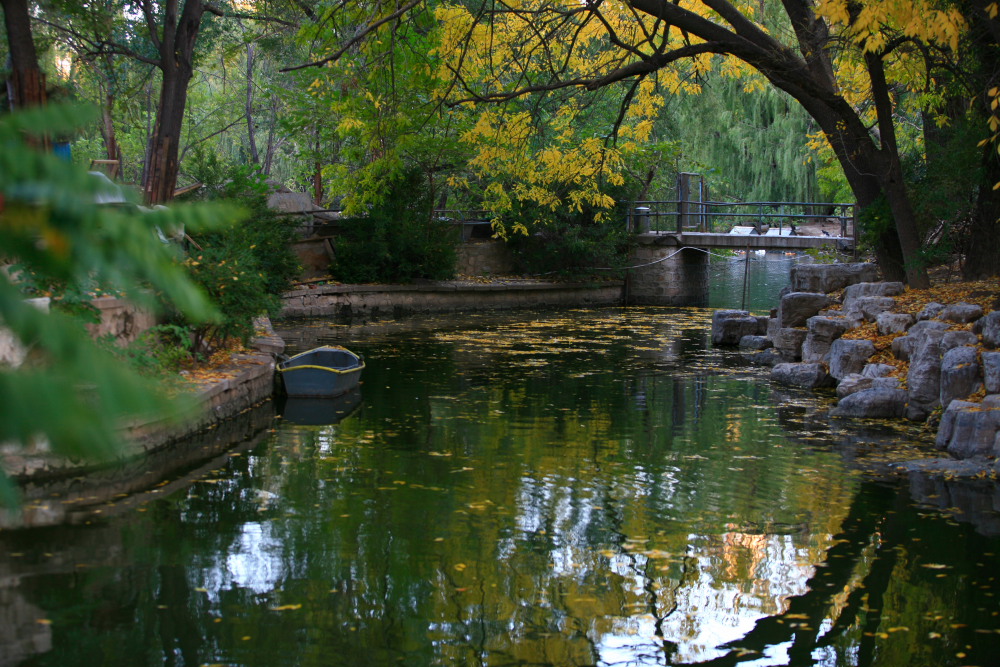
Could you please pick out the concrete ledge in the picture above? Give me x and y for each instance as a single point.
(250, 382)
(354, 300)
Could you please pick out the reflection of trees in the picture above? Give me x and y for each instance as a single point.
(485, 513)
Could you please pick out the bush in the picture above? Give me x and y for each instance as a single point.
(158, 352)
(570, 243)
(246, 268)
(398, 241)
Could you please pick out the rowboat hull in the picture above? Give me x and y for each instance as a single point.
(324, 372)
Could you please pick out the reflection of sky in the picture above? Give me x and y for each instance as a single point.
(253, 562)
(729, 581)
(709, 612)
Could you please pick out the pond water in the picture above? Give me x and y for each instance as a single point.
(577, 487)
(750, 281)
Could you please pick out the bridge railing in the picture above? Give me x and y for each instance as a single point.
(745, 217)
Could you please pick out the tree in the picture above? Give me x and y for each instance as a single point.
(380, 118)
(174, 36)
(983, 67)
(842, 62)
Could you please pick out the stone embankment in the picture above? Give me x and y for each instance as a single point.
(443, 296)
(837, 327)
(56, 489)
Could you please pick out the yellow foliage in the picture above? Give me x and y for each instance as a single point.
(877, 19)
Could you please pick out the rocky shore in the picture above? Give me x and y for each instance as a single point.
(889, 353)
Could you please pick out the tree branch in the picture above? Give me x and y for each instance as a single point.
(357, 38)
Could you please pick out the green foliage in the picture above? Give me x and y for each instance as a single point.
(751, 146)
(874, 222)
(373, 115)
(824, 255)
(69, 392)
(944, 186)
(159, 352)
(570, 243)
(398, 241)
(244, 268)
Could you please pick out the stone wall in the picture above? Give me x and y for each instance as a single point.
(249, 381)
(484, 258)
(680, 280)
(371, 300)
(120, 319)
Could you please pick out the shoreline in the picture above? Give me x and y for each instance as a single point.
(911, 356)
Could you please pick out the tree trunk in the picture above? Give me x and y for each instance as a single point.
(891, 177)
(161, 171)
(271, 144)
(254, 154)
(176, 46)
(108, 128)
(317, 174)
(27, 82)
(982, 259)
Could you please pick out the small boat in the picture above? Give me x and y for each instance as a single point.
(323, 372)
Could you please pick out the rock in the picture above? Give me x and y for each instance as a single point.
(930, 311)
(849, 356)
(991, 372)
(797, 307)
(989, 328)
(877, 370)
(924, 378)
(959, 374)
(872, 404)
(970, 429)
(755, 343)
(870, 307)
(789, 342)
(953, 339)
(729, 326)
(872, 289)
(893, 323)
(903, 346)
(961, 312)
(773, 324)
(851, 384)
(762, 322)
(855, 382)
(768, 357)
(822, 331)
(808, 375)
(826, 278)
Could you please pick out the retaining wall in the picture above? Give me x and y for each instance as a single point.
(679, 277)
(249, 380)
(371, 300)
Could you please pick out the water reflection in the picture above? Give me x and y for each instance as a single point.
(592, 487)
(320, 411)
(750, 282)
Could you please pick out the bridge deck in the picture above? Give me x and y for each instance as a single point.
(740, 242)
